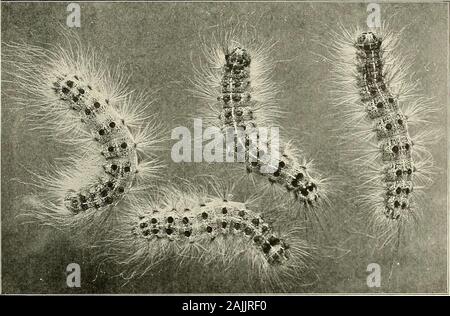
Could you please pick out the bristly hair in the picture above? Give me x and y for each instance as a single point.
(370, 123)
(193, 227)
(235, 86)
(70, 92)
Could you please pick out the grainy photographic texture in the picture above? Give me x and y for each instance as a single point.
(89, 179)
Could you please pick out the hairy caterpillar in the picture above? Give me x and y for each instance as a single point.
(237, 87)
(71, 93)
(195, 227)
(381, 108)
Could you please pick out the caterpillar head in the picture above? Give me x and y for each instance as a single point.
(238, 57)
(368, 41)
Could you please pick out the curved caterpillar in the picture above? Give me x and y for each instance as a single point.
(380, 109)
(71, 93)
(236, 84)
(193, 227)
(116, 142)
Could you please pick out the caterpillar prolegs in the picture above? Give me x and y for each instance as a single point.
(381, 110)
(72, 94)
(241, 97)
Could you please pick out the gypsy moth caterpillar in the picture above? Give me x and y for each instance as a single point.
(380, 108)
(192, 226)
(240, 95)
(71, 93)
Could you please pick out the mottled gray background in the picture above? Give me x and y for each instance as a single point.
(155, 41)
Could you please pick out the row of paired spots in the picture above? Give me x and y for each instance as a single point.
(238, 112)
(210, 221)
(389, 123)
(295, 183)
(113, 138)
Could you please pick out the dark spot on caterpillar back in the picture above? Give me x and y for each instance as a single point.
(274, 241)
(266, 247)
